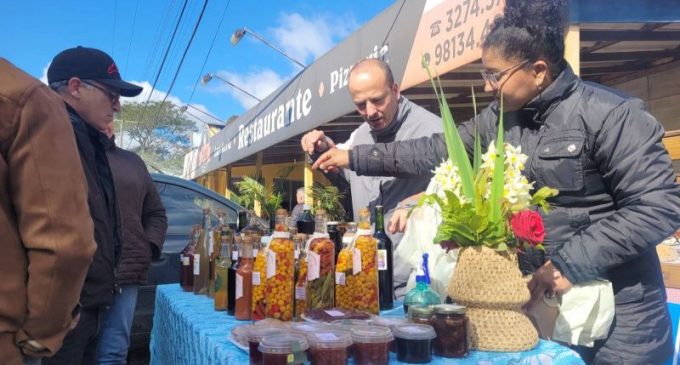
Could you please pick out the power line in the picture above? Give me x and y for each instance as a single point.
(186, 50)
(217, 31)
(132, 35)
(167, 50)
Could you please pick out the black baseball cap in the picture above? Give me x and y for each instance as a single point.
(89, 64)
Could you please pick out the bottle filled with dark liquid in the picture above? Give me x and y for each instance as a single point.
(231, 273)
(186, 277)
(385, 269)
(306, 222)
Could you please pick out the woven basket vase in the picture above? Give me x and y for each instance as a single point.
(490, 284)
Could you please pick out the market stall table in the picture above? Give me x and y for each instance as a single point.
(186, 330)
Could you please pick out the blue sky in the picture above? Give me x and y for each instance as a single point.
(137, 32)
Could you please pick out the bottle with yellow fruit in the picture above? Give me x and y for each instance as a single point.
(364, 266)
(280, 271)
(344, 279)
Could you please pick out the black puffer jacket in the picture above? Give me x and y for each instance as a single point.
(142, 215)
(101, 198)
(618, 197)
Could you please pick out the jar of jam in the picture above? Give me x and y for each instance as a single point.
(284, 349)
(329, 347)
(451, 326)
(255, 335)
(421, 314)
(414, 342)
(371, 345)
(389, 322)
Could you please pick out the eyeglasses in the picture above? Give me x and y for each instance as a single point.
(493, 77)
(113, 96)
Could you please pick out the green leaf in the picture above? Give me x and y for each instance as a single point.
(499, 171)
(454, 143)
(540, 198)
(477, 154)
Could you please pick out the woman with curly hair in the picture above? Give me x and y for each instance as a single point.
(618, 196)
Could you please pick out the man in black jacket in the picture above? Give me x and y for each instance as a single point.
(143, 228)
(88, 81)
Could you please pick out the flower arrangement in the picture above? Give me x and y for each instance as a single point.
(487, 202)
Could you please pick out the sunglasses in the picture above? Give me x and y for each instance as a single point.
(113, 96)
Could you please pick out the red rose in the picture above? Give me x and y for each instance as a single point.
(527, 226)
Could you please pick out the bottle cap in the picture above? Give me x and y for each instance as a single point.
(449, 309)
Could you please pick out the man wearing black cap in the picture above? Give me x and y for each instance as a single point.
(89, 83)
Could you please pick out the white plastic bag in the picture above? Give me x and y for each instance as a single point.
(586, 313)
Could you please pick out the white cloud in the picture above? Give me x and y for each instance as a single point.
(43, 77)
(302, 38)
(260, 83)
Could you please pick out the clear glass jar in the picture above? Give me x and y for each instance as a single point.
(421, 314)
(451, 326)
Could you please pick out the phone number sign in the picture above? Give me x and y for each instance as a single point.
(450, 35)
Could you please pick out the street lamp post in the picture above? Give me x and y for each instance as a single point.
(241, 32)
(209, 76)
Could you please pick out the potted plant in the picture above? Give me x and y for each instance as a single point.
(488, 210)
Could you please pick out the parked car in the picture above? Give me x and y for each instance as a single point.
(184, 201)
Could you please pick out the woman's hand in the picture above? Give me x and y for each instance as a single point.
(332, 160)
(548, 279)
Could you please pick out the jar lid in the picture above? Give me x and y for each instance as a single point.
(283, 344)
(387, 321)
(413, 331)
(329, 339)
(421, 310)
(351, 322)
(450, 309)
(307, 327)
(256, 333)
(371, 334)
(332, 223)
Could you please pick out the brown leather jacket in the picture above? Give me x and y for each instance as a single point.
(142, 215)
(46, 236)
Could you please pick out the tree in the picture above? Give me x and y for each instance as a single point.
(159, 133)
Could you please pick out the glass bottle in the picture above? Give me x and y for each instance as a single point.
(306, 222)
(223, 262)
(222, 270)
(344, 279)
(422, 294)
(244, 281)
(201, 260)
(258, 281)
(335, 236)
(385, 269)
(231, 275)
(320, 267)
(214, 252)
(364, 266)
(280, 272)
(186, 277)
(300, 275)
